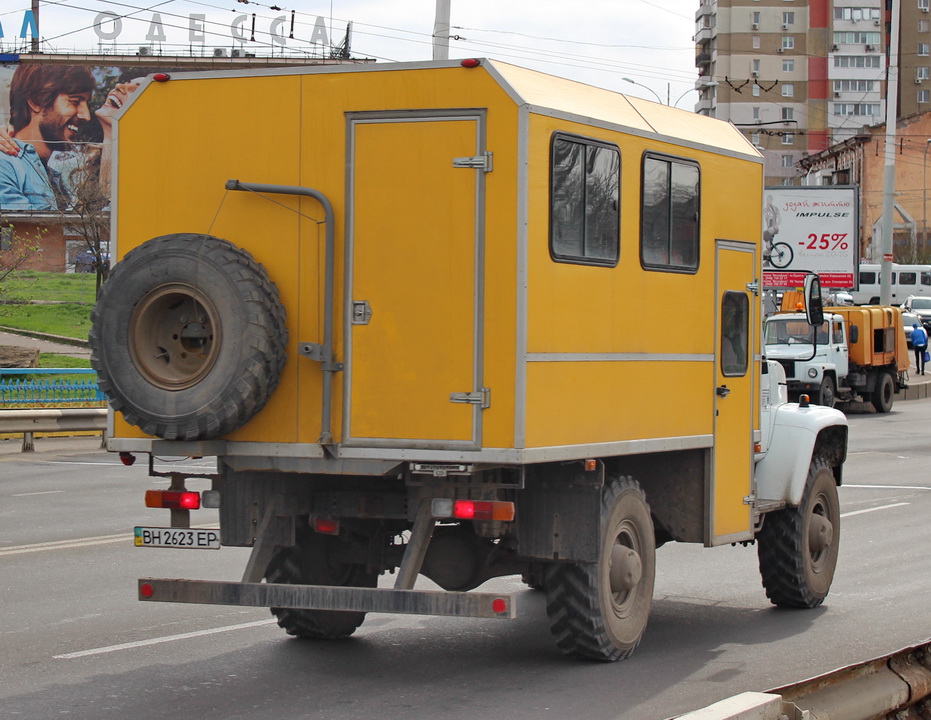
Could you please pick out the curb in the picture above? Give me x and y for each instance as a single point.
(61, 339)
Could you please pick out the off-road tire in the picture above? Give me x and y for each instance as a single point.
(188, 337)
(588, 618)
(884, 393)
(310, 562)
(797, 567)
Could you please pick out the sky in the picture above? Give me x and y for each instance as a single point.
(599, 42)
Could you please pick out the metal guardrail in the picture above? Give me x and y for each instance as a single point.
(18, 388)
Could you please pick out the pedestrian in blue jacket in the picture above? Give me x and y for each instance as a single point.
(920, 344)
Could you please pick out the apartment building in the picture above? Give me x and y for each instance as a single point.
(799, 76)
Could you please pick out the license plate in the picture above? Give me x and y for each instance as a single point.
(183, 538)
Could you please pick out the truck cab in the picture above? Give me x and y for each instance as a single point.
(814, 359)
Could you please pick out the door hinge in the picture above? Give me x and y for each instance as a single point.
(754, 287)
(481, 398)
(480, 162)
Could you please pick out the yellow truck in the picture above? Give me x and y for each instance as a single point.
(405, 310)
(857, 354)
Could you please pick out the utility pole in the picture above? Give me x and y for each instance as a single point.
(441, 31)
(892, 87)
(35, 37)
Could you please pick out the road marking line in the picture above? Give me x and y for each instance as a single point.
(44, 492)
(80, 542)
(157, 641)
(869, 510)
(889, 487)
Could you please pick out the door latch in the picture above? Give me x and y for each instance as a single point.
(481, 398)
(480, 162)
(361, 312)
(722, 391)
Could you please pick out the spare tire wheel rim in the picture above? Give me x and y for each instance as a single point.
(175, 336)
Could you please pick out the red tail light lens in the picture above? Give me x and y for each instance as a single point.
(481, 510)
(172, 499)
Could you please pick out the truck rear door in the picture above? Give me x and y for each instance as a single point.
(414, 281)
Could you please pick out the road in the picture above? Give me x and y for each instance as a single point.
(75, 643)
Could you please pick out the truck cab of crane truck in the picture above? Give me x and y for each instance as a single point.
(788, 339)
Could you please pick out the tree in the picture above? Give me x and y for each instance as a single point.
(15, 250)
(89, 211)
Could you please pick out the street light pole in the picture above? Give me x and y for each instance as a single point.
(634, 82)
(924, 199)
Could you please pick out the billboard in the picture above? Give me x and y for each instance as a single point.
(810, 229)
(55, 129)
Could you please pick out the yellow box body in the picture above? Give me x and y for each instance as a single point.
(454, 262)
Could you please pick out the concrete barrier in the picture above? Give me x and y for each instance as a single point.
(52, 420)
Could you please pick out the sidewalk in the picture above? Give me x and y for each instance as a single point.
(44, 346)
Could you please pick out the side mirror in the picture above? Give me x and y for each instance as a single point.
(814, 305)
(854, 335)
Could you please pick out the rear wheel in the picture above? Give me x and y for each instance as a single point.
(599, 610)
(313, 561)
(797, 547)
(884, 393)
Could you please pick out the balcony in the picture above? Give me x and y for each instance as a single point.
(702, 60)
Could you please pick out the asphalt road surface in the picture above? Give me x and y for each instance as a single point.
(75, 643)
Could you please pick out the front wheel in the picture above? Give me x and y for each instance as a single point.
(781, 255)
(797, 547)
(827, 394)
(884, 393)
(599, 610)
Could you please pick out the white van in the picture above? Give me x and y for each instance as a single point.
(906, 280)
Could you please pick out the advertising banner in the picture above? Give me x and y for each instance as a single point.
(60, 120)
(810, 229)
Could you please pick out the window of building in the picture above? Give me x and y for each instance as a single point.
(584, 201)
(788, 18)
(924, 96)
(670, 213)
(756, 42)
(861, 86)
(923, 5)
(924, 26)
(6, 237)
(857, 61)
(756, 112)
(787, 161)
(788, 90)
(869, 109)
(857, 38)
(755, 139)
(788, 66)
(788, 138)
(755, 17)
(788, 42)
(924, 49)
(756, 65)
(756, 90)
(788, 113)
(922, 73)
(735, 333)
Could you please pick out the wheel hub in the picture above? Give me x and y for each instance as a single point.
(175, 334)
(626, 569)
(820, 534)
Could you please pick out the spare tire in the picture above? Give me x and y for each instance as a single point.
(188, 337)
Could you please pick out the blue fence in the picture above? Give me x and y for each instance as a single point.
(19, 386)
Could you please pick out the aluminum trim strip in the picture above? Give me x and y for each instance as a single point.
(620, 357)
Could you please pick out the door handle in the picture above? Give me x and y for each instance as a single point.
(722, 391)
